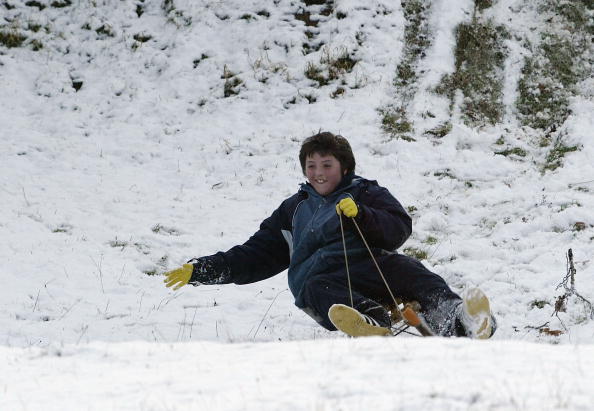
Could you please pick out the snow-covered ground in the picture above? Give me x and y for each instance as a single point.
(335, 374)
(149, 164)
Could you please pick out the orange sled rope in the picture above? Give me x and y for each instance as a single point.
(407, 313)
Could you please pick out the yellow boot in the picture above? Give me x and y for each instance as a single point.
(353, 323)
(476, 315)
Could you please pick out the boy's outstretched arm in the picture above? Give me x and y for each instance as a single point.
(211, 269)
(265, 254)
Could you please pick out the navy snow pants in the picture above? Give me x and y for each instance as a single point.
(408, 279)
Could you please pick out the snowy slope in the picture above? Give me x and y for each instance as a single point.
(148, 164)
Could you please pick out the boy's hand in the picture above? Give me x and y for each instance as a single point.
(347, 207)
(179, 277)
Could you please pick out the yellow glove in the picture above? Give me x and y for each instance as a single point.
(347, 207)
(179, 277)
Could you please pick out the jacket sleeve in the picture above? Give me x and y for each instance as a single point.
(264, 255)
(383, 220)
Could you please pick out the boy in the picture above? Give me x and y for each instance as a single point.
(305, 235)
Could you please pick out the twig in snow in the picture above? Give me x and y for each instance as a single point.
(121, 274)
(100, 271)
(192, 324)
(182, 324)
(36, 300)
(83, 332)
(435, 250)
(25, 196)
(106, 307)
(561, 302)
(269, 307)
(69, 309)
(140, 303)
(47, 290)
(168, 300)
(571, 185)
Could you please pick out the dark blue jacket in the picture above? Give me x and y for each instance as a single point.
(303, 234)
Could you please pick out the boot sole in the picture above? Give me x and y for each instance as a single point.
(349, 321)
(477, 308)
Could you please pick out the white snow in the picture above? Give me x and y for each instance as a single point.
(372, 373)
(148, 165)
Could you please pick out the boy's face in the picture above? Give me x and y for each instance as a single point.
(323, 173)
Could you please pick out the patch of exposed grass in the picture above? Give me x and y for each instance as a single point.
(264, 68)
(441, 130)
(11, 38)
(416, 32)
(558, 63)
(339, 62)
(479, 59)
(417, 40)
(178, 17)
(118, 243)
(34, 3)
(444, 173)
(305, 16)
(310, 97)
(515, 151)
(197, 61)
(333, 65)
(311, 17)
(63, 228)
(142, 37)
(395, 119)
(545, 86)
(540, 304)
(34, 27)
(232, 84)
(61, 4)
(36, 45)
(405, 74)
(316, 73)
(338, 92)
(577, 12)
(555, 157)
(480, 5)
(105, 30)
(395, 123)
(415, 252)
(430, 240)
(160, 229)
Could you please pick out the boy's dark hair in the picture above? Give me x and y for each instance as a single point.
(326, 143)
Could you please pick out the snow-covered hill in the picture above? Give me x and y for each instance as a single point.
(135, 135)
